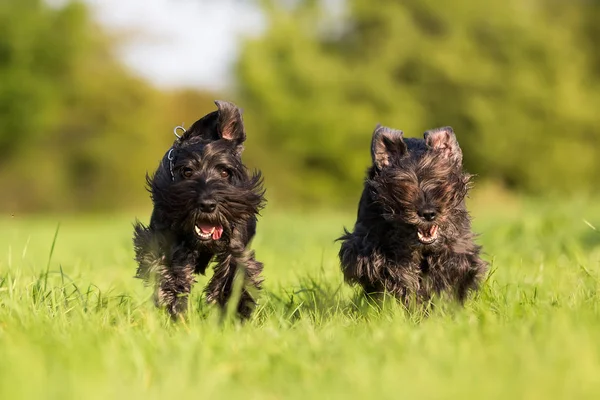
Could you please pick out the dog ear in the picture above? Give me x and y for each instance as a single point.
(230, 125)
(387, 143)
(225, 123)
(444, 141)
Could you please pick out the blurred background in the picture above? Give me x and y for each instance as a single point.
(90, 92)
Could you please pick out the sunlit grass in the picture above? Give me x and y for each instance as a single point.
(75, 324)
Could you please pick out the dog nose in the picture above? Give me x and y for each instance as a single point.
(428, 215)
(208, 205)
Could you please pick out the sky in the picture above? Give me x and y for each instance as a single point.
(176, 43)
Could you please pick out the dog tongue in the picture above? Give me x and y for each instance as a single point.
(217, 233)
(216, 230)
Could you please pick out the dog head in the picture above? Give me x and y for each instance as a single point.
(420, 183)
(202, 189)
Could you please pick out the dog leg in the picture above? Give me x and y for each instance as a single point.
(252, 285)
(471, 271)
(357, 263)
(169, 269)
(220, 288)
(173, 288)
(362, 264)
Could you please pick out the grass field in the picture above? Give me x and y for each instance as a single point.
(77, 325)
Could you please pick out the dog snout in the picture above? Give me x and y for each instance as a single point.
(428, 214)
(208, 205)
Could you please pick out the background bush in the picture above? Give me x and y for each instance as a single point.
(519, 82)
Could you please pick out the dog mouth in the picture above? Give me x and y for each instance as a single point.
(207, 231)
(428, 234)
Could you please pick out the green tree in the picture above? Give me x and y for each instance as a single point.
(77, 130)
(519, 82)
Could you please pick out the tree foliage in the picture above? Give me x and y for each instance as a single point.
(519, 82)
(77, 130)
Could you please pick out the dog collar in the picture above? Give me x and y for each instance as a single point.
(170, 155)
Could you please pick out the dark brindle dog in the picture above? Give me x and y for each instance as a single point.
(413, 234)
(205, 208)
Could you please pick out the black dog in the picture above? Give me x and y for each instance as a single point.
(205, 208)
(413, 236)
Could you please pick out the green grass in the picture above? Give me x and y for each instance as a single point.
(77, 325)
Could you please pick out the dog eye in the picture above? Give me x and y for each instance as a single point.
(186, 172)
(224, 173)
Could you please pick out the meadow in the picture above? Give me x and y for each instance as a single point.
(75, 324)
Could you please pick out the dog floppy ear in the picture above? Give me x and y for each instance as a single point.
(229, 123)
(443, 140)
(386, 145)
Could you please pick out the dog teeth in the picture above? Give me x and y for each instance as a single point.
(204, 235)
(430, 236)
